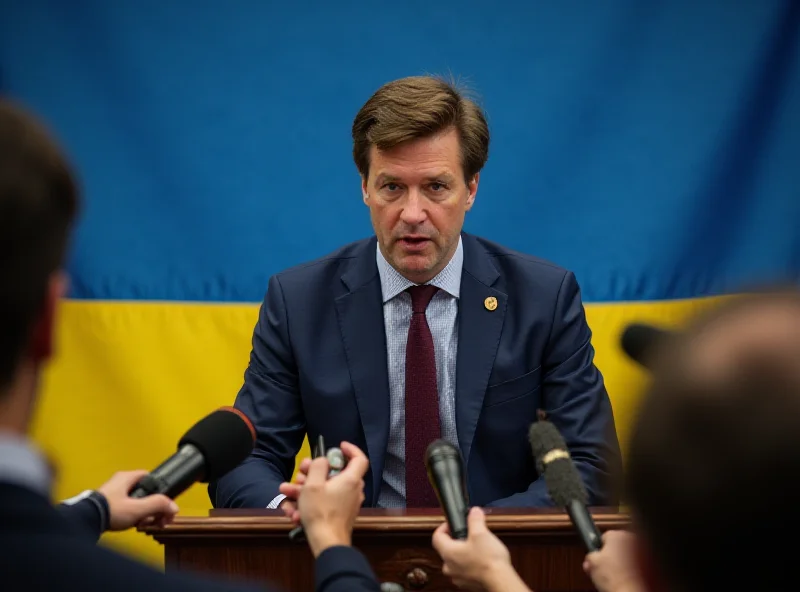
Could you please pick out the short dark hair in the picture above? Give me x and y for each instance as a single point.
(714, 458)
(418, 107)
(38, 204)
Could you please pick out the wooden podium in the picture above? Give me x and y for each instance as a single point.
(253, 545)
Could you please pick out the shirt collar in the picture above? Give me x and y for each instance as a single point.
(21, 463)
(449, 279)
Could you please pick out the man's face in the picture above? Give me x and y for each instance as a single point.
(417, 199)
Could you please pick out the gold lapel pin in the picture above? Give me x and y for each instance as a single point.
(490, 303)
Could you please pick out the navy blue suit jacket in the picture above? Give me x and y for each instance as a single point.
(318, 366)
(44, 548)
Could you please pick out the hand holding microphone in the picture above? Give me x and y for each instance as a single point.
(473, 556)
(336, 463)
(328, 506)
(211, 448)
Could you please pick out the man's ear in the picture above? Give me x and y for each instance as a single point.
(43, 337)
(364, 192)
(472, 187)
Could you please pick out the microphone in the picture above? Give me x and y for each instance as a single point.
(563, 481)
(212, 447)
(640, 340)
(446, 474)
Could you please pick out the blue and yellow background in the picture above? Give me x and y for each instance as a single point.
(651, 147)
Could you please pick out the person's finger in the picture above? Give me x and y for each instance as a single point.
(351, 450)
(357, 463)
(446, 570)
(154, 504)
(290, 490)
(304, 464)
(441, 537)
(147, 521)
(128, 479)
(476, 520)
(300, 478)
(317, 472)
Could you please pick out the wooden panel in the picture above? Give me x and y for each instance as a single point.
(253, 545)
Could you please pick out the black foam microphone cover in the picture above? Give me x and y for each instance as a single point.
(208, 450)
(563, 481)
(640, 340)
(447, 477)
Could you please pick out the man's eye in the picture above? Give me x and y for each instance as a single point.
(392, 186)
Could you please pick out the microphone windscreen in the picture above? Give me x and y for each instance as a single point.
(640, 340)
(224, 437)
(563, 481)
(544, 437)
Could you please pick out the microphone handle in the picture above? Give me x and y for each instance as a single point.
(584, 524)
(174, 476)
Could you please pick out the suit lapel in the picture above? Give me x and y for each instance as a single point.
(360, 313)
(479, 330)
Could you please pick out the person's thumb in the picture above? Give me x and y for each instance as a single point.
(317, 472)
(476, 521)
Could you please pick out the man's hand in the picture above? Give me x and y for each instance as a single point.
(328, 507)
(481, 562)
(612, 568)
(292, 492)
(126, 512)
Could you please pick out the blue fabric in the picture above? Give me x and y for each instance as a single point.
(650, 147)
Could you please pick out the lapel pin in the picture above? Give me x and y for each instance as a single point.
(490, 303)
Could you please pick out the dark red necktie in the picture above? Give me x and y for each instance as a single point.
(422, 400)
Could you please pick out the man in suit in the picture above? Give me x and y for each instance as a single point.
(423, 331)
(47, 548)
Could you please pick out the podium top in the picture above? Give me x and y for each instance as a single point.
(505, 522)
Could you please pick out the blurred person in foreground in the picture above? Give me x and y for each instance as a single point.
(712, 469)
(43, 547)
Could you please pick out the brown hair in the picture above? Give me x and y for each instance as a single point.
(38, 204)
(418, 107)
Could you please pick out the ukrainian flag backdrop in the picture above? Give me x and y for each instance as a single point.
(651, 147)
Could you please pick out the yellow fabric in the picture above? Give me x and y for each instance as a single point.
(130, 377)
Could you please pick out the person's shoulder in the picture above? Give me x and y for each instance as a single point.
(510, 261)
(126, 570)
(71, 562)
(333, 261)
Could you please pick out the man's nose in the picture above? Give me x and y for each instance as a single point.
(414, 208)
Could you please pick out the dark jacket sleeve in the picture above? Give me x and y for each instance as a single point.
(270, 397)
(344, 569)
(88, 515)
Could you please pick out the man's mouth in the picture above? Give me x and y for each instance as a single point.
(414, 242)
